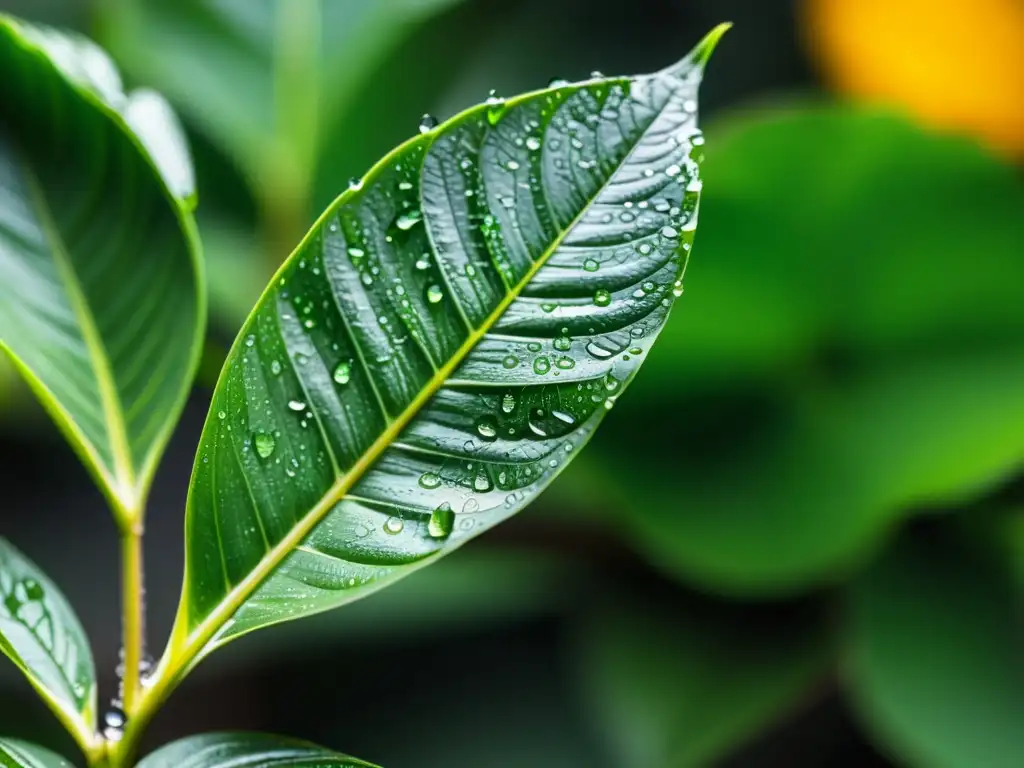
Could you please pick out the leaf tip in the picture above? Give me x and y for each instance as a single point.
(703, 50)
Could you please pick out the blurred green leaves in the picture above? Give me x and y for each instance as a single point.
(20, 754)
(684, 684)
(850, 351)
(935, 662)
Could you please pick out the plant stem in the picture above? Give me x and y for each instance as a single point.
(133, 618)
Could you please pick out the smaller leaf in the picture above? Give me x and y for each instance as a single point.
(935, 658)
(686, 685)
(40, 633)
(20, 754)
(246, 750)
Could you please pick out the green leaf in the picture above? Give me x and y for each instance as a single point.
(442, 343)
(100, 298)
(838, 365)
(40, 633)
(687, 684)
(935, 650)
(245, 750)
(286, 71)
(19, 754)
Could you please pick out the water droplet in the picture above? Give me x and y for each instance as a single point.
(470, 270)
(427, 123)
(511, 361)
(533, 143)
(355, 183)
(423, 262)
(557, 82)
(222, 415)
(487, 428)
(430, 480)
(394, 525)
(562, 343)
(672, 171)
(508, 403)
(275, 368)
(434, 294)
(470, 507)
(356, 253)
(591, 265)
(482, 483)
(343, 372)
(297, 405)
(405, 186)
(541, 365)
(442, 521)
(408, 219)
(669, 233)
(602, 298)
(265, 444)
(512, 165)
(565, 363)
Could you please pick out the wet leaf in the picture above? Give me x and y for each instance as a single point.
(40, 633)
(20, 754)
(245, 750)
(99, 301)
(443, 342)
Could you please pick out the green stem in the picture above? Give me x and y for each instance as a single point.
(133, 614)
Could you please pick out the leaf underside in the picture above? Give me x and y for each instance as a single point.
(99, 304)
(40, 633)
(246, 750)
(442, 343)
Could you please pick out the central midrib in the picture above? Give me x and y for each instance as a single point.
(197, 638)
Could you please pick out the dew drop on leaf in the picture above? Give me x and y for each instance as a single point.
(591, 265)
(427, 123)
(265, 444)
(430, 480)
(442, 521)
(342, 373)
(394, 525)
(602, 298)
(434, 294)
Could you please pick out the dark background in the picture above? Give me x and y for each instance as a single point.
(798, 541)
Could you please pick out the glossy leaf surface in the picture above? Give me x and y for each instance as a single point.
(444, 341)
(99, 299)
(246, 750)
(19, 754)
(935, 657)
(40, 633)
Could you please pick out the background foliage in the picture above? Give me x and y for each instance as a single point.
(799, 540)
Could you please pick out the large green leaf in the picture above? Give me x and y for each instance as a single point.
(442, 343)
(678, 684)
(19, 754)
(841, 361)
(935, 658)
(40, 633)
(246, 750)
(99, 301)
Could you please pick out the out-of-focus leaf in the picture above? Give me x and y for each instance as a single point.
(935, 658)
(682, 686)
(440, 346)
(40, 633)
(236, 270)
(254, 72)
(99, 305)
(246, 750)
(19, 754)
(850, 350)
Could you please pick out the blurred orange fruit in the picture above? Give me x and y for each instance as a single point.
(954, 64)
